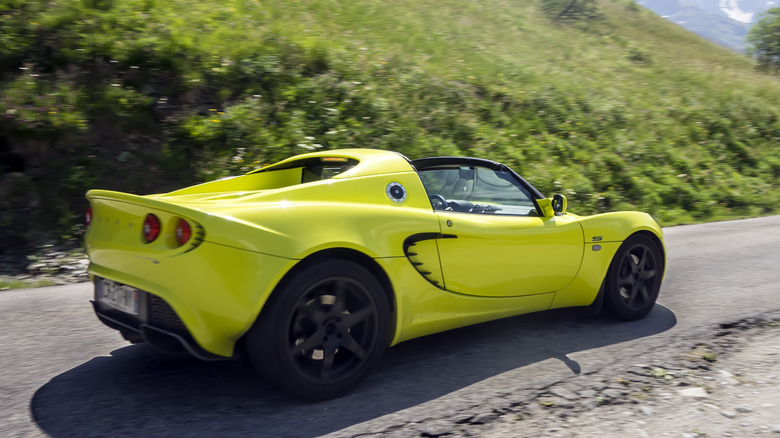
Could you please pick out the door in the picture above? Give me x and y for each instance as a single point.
(494, 242)
(503, 256)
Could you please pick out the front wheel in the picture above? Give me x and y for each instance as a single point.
(322, 332)
(634, 278)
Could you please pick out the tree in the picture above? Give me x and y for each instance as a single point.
(571, 9)
(764, 40)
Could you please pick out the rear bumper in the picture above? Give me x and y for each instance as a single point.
(205, 299)
(156, 323)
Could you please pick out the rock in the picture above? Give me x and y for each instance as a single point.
(36, 267)
(694, 392)
(612, 394)
(436, 428)
(484, 417)
(591, 403)
(647, 411)
(728, 413)
(744, 410)
(563, 403)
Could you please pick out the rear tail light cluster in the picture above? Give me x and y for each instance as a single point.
(183, 232)
(152, 228)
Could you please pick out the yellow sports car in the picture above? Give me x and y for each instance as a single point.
(313, 265)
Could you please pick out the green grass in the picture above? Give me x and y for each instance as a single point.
(8, 284)
(624, 112)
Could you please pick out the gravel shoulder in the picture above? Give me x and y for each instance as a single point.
(728, 386)
(725, 383)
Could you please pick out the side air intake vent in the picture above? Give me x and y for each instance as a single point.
(423, 253)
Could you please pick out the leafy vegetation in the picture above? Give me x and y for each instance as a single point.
(570, 9)
(626, 111)
(764, 39)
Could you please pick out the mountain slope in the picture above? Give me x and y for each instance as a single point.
(627, 111)
(725, 22)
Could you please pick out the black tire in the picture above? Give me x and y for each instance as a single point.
(634, 278)
(322, 331)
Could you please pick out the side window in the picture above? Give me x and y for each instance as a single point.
(326, 168)
(475, 189)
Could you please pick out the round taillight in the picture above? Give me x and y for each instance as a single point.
(88, 216)
(183, 232)
(151, 228)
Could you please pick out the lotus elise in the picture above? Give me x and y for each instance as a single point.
(312, 266)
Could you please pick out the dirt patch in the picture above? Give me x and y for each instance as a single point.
(725, 386)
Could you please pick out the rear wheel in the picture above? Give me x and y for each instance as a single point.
(634, 278)
(322, 332)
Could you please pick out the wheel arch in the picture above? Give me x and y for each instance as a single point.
(657, 242)
(343, 254)
(619, 304)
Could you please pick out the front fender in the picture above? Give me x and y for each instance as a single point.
(617, 226)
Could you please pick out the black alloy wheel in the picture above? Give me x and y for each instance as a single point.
(322, 332)
(634, 278)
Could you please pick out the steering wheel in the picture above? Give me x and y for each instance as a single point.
(438, 202)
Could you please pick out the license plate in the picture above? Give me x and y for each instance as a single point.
(118, 296)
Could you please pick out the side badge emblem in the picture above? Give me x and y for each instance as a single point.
(396, 192)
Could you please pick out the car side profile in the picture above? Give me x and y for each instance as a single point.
(312, 266)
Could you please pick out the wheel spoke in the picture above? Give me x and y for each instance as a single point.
(645, 293)
(642, 259)
(353, 346)
(313, 341)
(646, 275)
(626, 280)
(352, 319)
(313, 312)
(329, 353)
(631, 296)
(632, 263)
(340, 295)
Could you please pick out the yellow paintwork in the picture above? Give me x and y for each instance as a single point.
(250, 231)
(423, 309)
(502, 256)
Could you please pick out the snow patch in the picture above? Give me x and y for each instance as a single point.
(731, 8)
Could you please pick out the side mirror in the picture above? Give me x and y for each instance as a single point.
(559, 204)
(545, 205)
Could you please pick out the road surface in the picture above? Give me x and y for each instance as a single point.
(63, 374)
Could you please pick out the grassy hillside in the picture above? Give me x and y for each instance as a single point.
(623, 111)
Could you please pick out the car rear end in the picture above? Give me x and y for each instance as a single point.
(158, 278)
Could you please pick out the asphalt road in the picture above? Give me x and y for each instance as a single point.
(64, 374)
